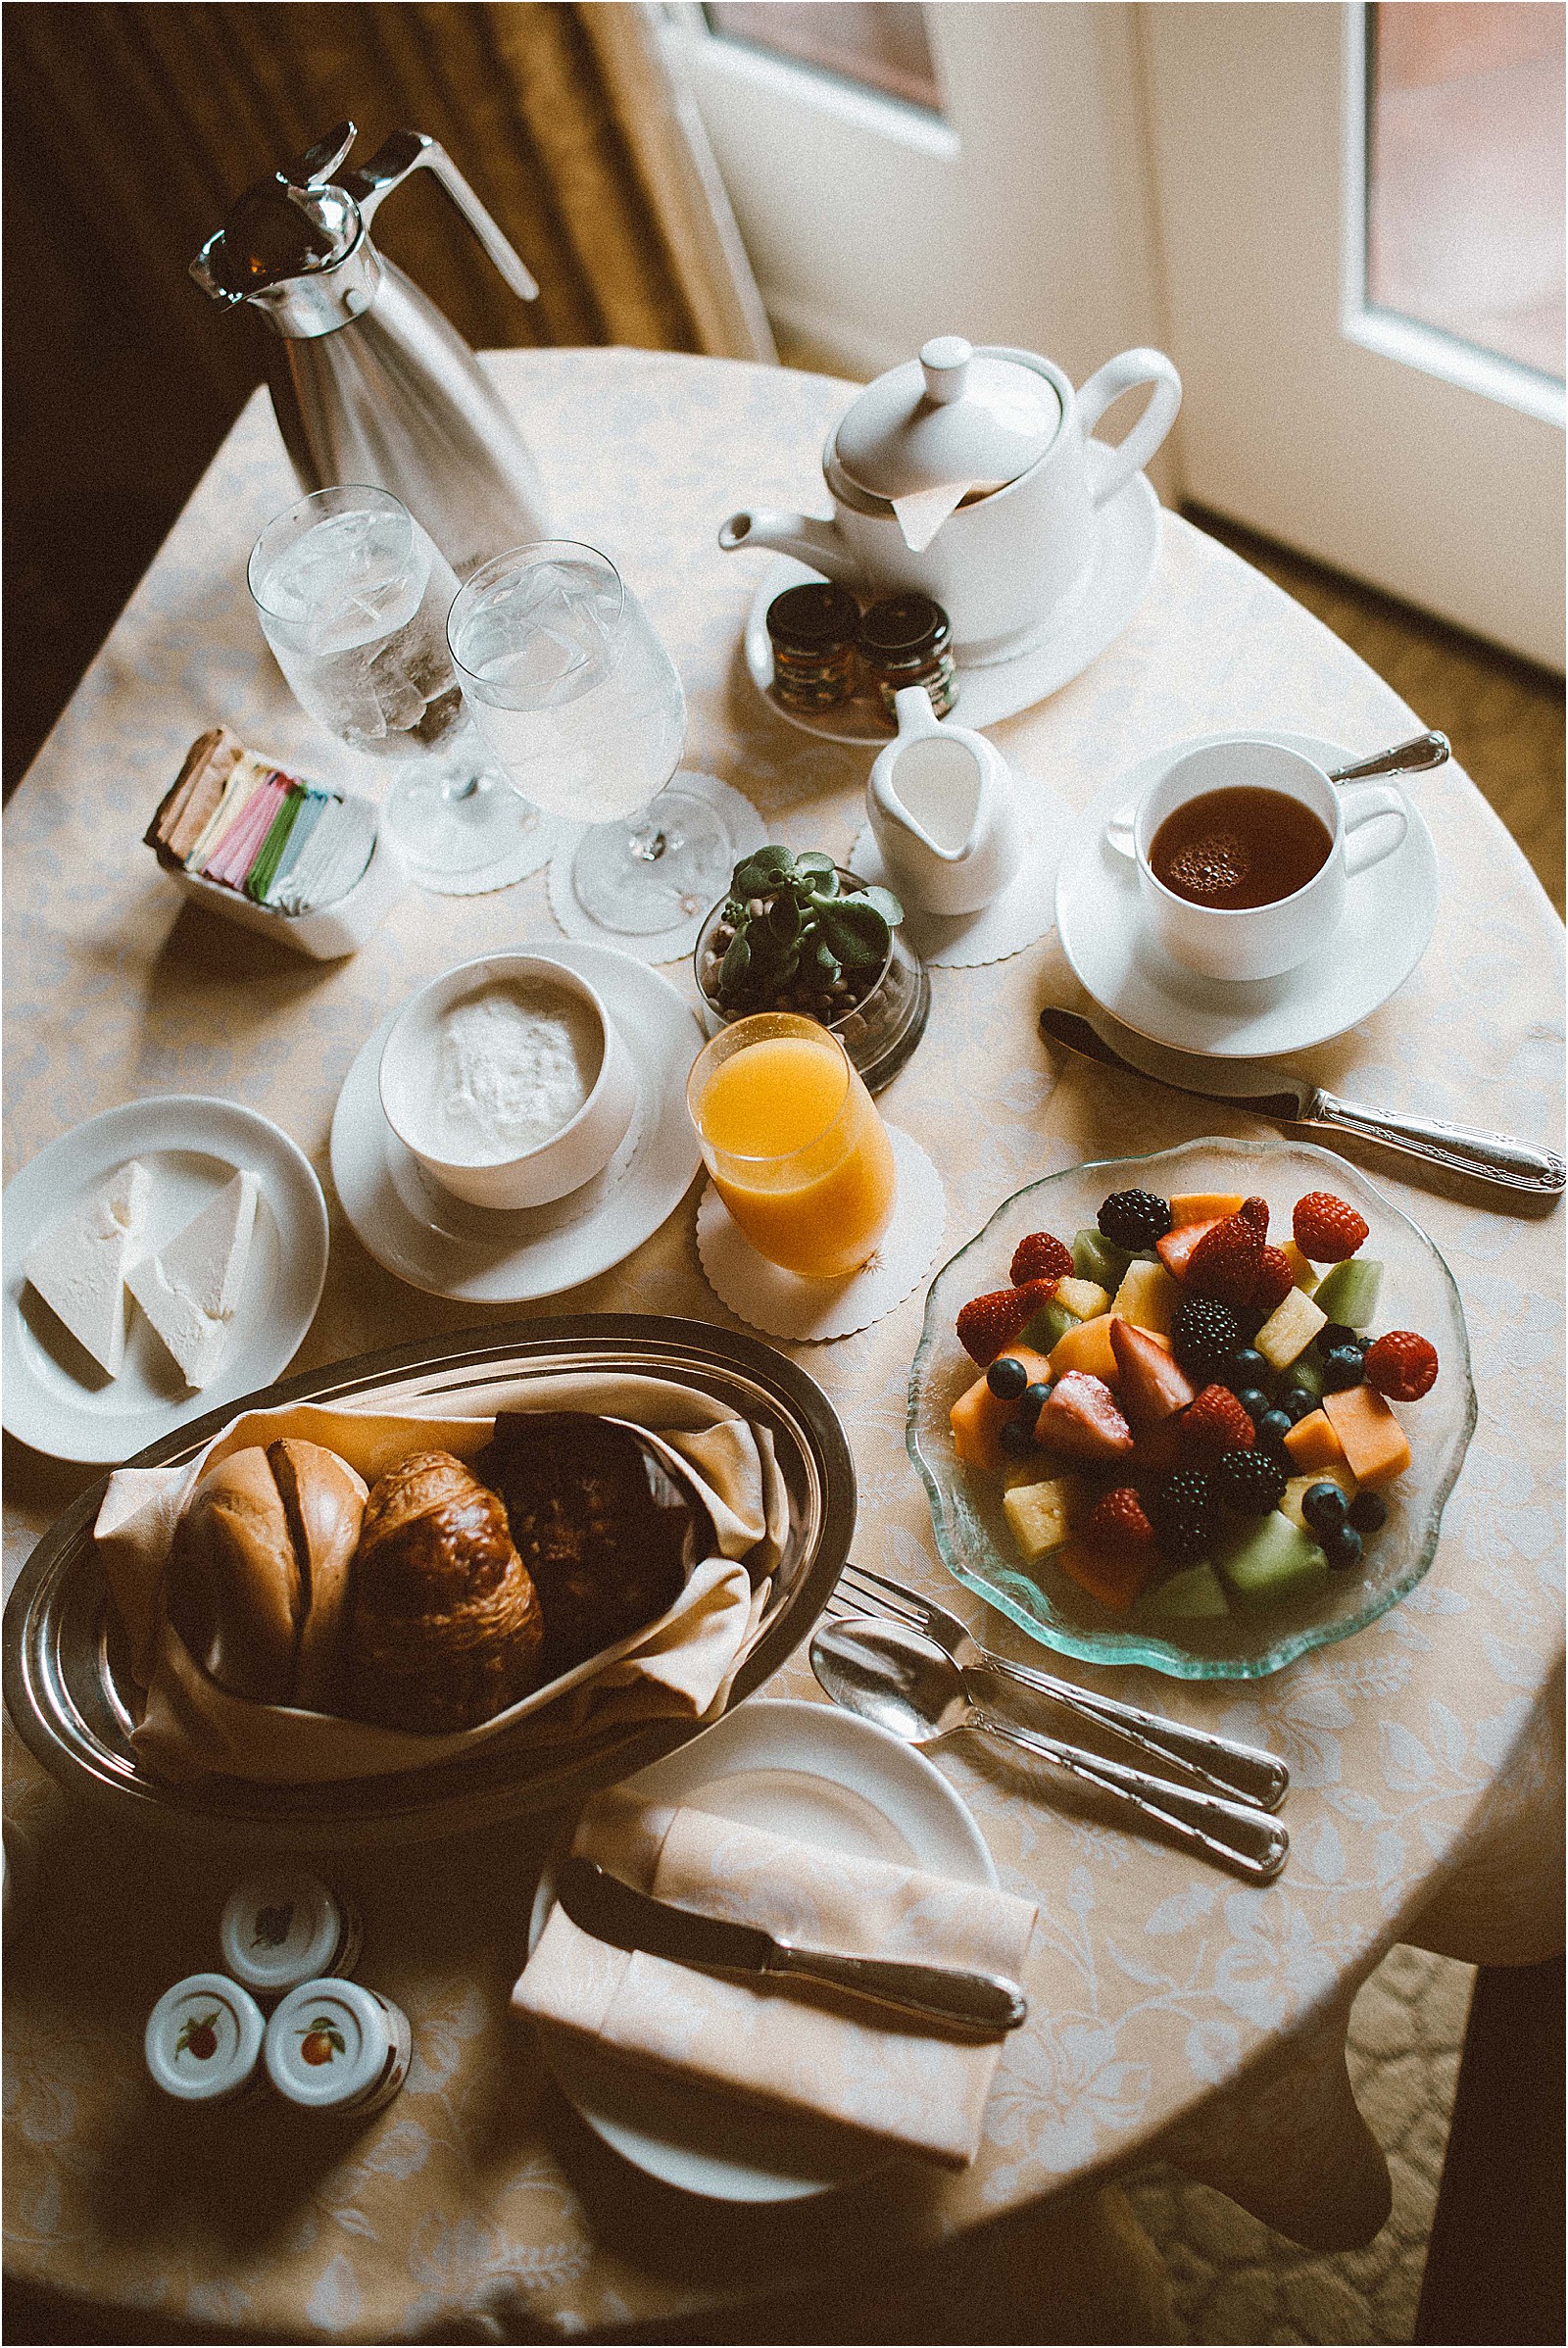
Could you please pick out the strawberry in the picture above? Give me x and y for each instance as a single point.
(1148, 1384)
(1326, 1229)
(1118, 1523)
(1081, 1419)
(1217, 1423)
(1039, 1256)
(1401, 1366)
(1255, 1212)
(1226, 1260)
(987, 1325)
(1274, 1283)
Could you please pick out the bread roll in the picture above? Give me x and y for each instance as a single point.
(445, 1627)
(323, 1500)
(234, 1591)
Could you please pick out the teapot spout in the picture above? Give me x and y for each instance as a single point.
(803, 535)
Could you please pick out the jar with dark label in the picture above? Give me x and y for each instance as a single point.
(284, 1928)
(335, 2046)
(811, 629)
(905, 640)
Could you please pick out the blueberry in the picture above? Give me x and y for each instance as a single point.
(1296, 1402)
(1273, 1427)
(1017, 1436)
(1324, 1506)
(1033, 1401)
(1368, 1514)
(1341, 1547)
(1247, 1366)
(1342, 1368)
(1007, 1378)
(1332, 1334)
(1254, 1401)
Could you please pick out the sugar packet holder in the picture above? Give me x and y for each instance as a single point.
(323, 933)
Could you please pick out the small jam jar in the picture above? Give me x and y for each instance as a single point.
(813, 630)
(335, 2046)
(905, 640)
(279, 1930)
(204, 2040)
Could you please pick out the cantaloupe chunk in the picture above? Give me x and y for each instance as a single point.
(1149, 1298)
(1040, 1515)
(1303, 1271)
(1372, 1439)
(1088, 1347)
(1205, 1207)
(1085, 1299)
(1313, 1445)
(978, 1415)
(1115, 1580)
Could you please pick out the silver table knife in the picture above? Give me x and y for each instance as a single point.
(600, 1903)
(1269, 1091)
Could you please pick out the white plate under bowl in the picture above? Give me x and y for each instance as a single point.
(56, 1397)
(1126, 551)
(1389, 912)
(483, 1256)
(819, 1775)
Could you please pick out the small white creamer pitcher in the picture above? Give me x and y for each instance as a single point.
(944, 812)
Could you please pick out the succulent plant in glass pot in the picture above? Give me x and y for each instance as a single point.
(798, 933)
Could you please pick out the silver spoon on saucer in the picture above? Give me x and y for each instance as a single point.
(1415, 756)
(900, 1681)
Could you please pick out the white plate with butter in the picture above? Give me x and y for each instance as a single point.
(55, 1395)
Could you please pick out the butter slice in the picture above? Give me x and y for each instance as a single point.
(78, 1268)
(190, 1288)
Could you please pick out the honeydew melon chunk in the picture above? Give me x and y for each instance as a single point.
(1303, 1270)
(1290, 1329)
(1306, 1372)
(1196, 1595)
(1097, 1258)
(1272, 1562)
(1148, 1296)
(1349, 1292)
(1086, 1299)
(1048, 1327)
(1040, 1515)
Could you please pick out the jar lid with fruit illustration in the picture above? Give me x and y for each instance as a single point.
(337, 2046)
(204, 2040)
(280, 1929)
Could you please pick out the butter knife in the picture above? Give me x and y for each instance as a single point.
(1269, 1091)
(600, 1903)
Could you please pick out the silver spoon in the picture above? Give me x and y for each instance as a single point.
(901, 1682)
(1414, 757)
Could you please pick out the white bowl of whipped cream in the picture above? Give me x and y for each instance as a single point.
(507, 1080)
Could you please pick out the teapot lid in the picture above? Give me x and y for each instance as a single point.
(955, 414)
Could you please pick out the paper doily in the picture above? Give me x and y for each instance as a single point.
(1024, 911)
(673, 945)
(783, 1305)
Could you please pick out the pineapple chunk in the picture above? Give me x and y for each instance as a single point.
(1148, 1296)
(1291, 1505)
(1040, 1515)
(1085, 1299)
(1290, 1329)
(1306, 1273)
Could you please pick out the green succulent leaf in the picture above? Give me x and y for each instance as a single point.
(763, 870)
(783, 920)
(733, 969)
(827, 962)
(857, 932)
(885, 904)
(819, 865)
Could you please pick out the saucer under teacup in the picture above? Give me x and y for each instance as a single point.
(1389, 912)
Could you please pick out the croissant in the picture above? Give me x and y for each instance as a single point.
(445, 1626)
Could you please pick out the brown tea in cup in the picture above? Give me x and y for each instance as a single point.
(1241, 847)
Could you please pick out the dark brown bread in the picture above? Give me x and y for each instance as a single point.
(445, 1626)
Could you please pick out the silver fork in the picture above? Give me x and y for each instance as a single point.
(1242, 1772)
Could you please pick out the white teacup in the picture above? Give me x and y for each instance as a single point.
(1262, 941)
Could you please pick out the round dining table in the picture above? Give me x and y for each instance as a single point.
(1175, 2012)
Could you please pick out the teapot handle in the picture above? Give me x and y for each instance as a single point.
(409, 151)
(1133, 452)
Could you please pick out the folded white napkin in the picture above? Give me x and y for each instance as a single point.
(681, 1665)
(787, 2045)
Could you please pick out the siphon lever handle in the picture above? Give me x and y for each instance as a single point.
(408, 150)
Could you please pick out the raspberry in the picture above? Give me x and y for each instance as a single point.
(1225, 1261)
(1119, 1522)
(987, 1325)
(1402, 1366)
(1039, 1256)
(1275, 1281)
(1134, 1218)
(1185, 1515)
(1204, 1335)
(1215, 1422)
(1255, 1212)
(1249, 1481)
(1326, 1229)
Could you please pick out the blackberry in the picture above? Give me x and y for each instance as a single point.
(1250, 1482)
(1368, 1514)
(1185, 1516)
(1203, 1336)
(1134, 1219)
(1007, 1378)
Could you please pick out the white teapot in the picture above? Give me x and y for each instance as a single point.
(963, 475)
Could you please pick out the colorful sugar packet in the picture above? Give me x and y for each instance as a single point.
(236, 820)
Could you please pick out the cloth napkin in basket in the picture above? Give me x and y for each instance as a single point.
(789, 2046)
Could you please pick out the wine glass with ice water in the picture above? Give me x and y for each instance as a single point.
(353, 598)
(580, 701)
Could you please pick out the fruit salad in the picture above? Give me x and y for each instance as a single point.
(1185, 1415)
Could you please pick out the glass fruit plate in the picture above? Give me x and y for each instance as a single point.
(966, 1515)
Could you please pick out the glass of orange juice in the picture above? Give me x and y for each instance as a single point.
(794, 1143)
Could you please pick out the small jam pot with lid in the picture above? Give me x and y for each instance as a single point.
(204, 2040)
(812, 629)
(335, 2046)
(279, 1930)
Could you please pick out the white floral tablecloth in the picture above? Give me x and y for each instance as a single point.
(1171, 2008)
